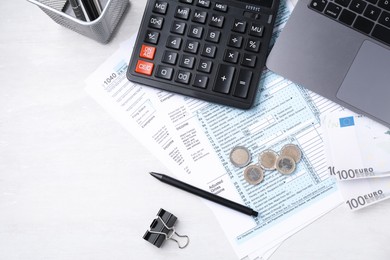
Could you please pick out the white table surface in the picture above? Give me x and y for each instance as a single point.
(74, 183)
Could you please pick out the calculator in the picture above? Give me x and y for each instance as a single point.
(210, 50)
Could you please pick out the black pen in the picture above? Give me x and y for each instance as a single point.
(204, 194)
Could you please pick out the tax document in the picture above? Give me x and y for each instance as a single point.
(194, 139)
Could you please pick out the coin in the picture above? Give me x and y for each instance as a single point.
(253, 174)
(240, 156)
(267, 159)
(293, 151)
(285, 164)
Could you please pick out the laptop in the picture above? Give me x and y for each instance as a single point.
(339, 49)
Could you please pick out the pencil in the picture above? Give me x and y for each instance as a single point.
(204, 194)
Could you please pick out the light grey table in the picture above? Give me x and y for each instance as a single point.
(73, 182)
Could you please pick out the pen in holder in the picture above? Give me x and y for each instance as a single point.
(100, 28)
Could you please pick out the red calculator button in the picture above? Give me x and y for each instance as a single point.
(147, 52)
(144, 67)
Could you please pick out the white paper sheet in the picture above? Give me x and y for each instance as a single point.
(193, 138)
(178, 130)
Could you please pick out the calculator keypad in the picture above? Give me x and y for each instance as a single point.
(198, 48)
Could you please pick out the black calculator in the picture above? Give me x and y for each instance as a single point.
(211, 50)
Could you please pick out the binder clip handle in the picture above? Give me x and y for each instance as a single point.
(171, 233)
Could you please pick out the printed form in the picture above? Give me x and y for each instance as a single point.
(194, 139)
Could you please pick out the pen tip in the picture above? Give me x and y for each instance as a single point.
(156, 175)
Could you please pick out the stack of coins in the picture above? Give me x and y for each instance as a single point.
(285, 162)
(290, 155)
(241, 157)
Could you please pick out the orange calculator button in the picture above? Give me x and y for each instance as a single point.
(144, 67)
(147, 52)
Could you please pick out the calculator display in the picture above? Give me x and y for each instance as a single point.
(266, 3)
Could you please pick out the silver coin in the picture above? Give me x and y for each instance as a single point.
(253, 174)
(240, 156)
(267, 159)
(285, 164)
(293, 151)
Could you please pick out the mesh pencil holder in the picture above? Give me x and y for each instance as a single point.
(99, 29)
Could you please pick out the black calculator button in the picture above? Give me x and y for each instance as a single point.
(191, 46)
(156, 22)
(178, 27)
(203, 3)
(164, 72)
(217, 21)
(169, 57)
(186, 1)
(221, 7)
(199, 17)
(151, 37)
(253, 45)
(187, 61)
(200, 81)
(183, 77)
(243, 83)
(205, 66)
(195, 31)
(182, 12)
(224, 79)
(235, 41)
(213, 36)
(174, 42)
(209, 51)
(249, 60)
(239, 26)
(256, 30)
(231, 56)
(160, 7)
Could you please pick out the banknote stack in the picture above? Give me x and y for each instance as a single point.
(358, 154)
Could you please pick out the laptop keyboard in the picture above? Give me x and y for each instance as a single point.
(370, 17)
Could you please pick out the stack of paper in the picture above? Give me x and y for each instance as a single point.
(194, 139)
(358, 152)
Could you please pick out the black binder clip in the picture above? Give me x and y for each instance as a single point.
(162, 228)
